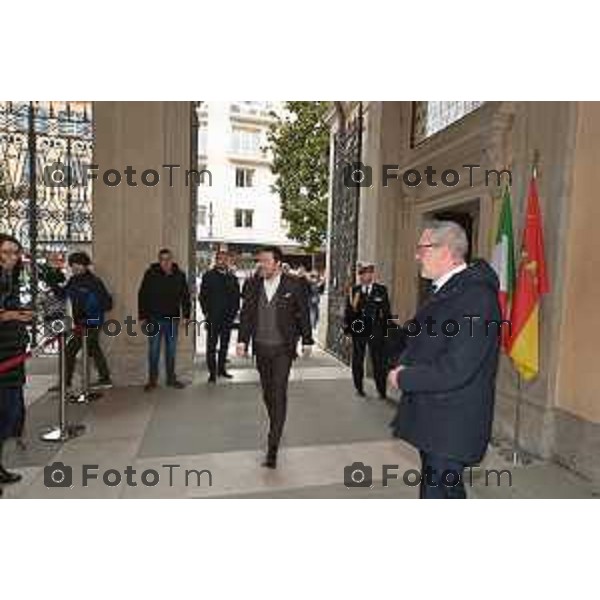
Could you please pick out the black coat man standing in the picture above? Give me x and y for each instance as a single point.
(220, 302)
(447, 371)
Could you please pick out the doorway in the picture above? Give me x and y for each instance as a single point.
(467, 216)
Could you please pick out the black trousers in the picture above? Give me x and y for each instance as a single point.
(94, 351)
(274, 364)
(376, 350)
(218, 334)
(441, 477)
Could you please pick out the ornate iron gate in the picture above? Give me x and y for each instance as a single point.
(344, 232)
(45, 194)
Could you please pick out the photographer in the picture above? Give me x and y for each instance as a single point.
(13, 342)
(90, 300)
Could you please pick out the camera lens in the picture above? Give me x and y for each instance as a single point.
(360, 478)
(60, 478)
(356, 329)
(357, 176)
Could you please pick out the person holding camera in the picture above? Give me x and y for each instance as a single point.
(366, 320)
(13, 342)
(90, 301)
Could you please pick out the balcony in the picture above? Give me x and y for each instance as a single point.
(252, 111)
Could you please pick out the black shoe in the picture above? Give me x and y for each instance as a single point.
(6, 477)
(151, 385)
(178, 385)
(270, 461)
(225, 374)
(212, 379)
(361, 393)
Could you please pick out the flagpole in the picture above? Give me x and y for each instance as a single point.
(516, 455)
(534, 166)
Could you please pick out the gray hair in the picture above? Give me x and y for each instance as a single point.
(450, 234)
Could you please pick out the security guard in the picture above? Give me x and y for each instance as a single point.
(366, 320)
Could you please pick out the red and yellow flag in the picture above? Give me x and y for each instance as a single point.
(532, 282)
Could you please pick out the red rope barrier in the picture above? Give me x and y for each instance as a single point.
(14, 361)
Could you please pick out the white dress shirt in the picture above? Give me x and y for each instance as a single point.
(440, 281)
(271, 286)
(366, 289)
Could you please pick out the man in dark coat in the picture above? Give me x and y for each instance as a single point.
(274, 316)
(163, 298)
(447, 371)
(13, 342)
(366, 319)
(220, 302)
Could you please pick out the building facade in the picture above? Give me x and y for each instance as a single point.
(236, 206)
(560, 409)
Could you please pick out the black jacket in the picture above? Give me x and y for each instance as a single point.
(220, 295)
(13, 334)
(448, 385)
(164, 295)
(372, 311)
(293, 318)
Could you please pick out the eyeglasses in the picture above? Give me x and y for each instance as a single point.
(426, 246)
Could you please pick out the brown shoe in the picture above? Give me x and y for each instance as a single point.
(150, 386)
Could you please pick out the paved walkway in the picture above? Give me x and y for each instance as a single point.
(217, 435)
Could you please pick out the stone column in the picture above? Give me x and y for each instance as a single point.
(131, 223)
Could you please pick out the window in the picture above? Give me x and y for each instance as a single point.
(254, 108)
(244, 177)
(202, 212)
(429, 117)
(245, 141)
(243, 217)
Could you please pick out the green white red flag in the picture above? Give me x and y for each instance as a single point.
(503, 261)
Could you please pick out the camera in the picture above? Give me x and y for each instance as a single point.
(358, 475)
(57, 175)
(358, 174)
(58, 475)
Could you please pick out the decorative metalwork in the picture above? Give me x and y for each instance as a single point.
(343, 233)
(429, 117)
(45, 194)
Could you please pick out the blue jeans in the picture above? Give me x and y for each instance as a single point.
(167, 329)
(441, 477)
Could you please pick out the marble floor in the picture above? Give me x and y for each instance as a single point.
(207, 441)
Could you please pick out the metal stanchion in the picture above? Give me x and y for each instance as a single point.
(63, 431)
(86, 394)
